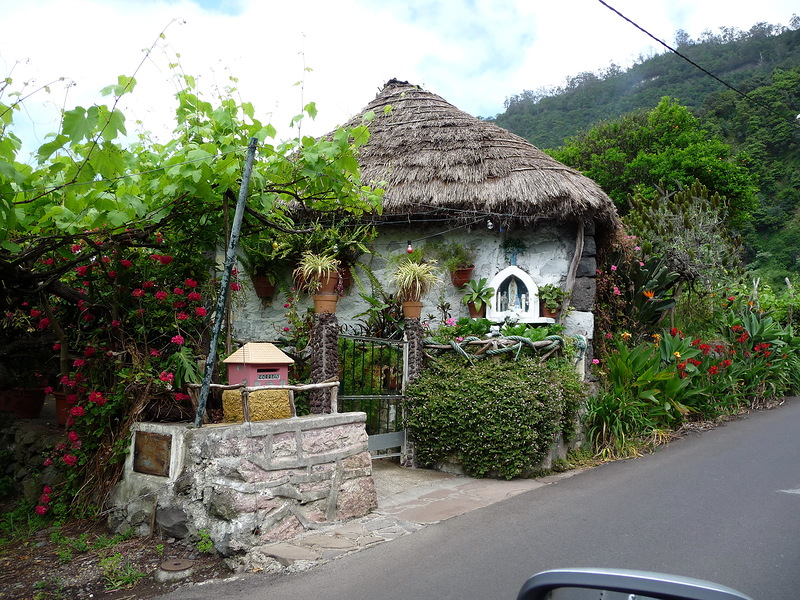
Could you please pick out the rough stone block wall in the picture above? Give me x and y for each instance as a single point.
(252, 483)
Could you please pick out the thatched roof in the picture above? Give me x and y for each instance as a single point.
(434, 157)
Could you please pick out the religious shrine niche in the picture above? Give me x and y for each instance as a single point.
(516, 298)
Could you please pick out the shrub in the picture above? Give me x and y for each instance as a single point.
(495, 419)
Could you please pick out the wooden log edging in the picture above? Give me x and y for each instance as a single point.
(333, 386)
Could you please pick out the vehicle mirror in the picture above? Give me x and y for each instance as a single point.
(621, 584)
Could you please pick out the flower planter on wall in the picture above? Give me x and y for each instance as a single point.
(263, 286)
(461, 277)
(474, 313)
(329, 284)
(546, 312)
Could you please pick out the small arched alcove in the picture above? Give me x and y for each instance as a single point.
(516, 298)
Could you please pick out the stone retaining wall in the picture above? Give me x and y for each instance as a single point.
(246, 484)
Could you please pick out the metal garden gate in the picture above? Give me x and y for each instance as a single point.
(372, 375)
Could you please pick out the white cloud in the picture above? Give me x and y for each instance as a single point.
(475, 53)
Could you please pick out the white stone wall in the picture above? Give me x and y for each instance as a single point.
(252, 483)
(547, 260)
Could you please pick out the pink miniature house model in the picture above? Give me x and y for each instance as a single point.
(258, 364)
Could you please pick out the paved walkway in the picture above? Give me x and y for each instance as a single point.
(408, 500)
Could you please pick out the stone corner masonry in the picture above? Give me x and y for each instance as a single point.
(245, 484)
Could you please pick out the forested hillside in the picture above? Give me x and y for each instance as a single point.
(743, 59)
(592, 122)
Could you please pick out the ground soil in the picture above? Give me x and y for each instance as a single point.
(46, 567)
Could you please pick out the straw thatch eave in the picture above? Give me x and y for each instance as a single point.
(434, 158)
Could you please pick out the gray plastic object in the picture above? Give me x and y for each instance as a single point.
(621, 584)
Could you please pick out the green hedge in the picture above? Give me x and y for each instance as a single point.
(494, 419)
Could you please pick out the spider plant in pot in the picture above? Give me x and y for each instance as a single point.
(478, 295)
(318, 274)
(413, 280)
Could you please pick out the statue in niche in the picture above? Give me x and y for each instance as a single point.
(514, 295)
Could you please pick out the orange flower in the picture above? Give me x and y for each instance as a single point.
(649, 293)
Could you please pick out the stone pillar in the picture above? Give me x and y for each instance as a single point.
(324, 359)
(414, 336)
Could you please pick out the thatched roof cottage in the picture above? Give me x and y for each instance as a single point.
(450, 176)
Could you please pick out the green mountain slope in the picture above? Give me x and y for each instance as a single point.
(743, 59)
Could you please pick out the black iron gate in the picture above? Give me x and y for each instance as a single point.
(372, 376)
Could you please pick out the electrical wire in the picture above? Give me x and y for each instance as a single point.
(694, 64)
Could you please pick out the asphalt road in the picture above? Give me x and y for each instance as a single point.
(723, 505)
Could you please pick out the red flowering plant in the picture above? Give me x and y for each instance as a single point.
(127, 347)
(633, 291)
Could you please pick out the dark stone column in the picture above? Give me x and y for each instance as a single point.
(414, 335)
(324, 359)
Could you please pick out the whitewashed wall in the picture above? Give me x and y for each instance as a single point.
(547, 259)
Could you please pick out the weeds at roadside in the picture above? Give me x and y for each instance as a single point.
(118, 573)
(205, 544)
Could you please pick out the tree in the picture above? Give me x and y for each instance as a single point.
(105, 246)
(633, 153)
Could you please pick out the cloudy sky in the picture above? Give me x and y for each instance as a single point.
(474, 53)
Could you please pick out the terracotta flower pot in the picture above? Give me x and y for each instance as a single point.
(263, 286)
(325, 303)
(62, 407)
(412, 310)
(346, 275)
(474, 313)
(461, 277)
(329, 284)
(549, 313)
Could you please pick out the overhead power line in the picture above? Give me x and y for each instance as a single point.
(694, 64)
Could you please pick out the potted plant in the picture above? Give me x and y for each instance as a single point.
(263, 258)
(458, 259)
(318, 274)
(344, 240)
(551, 296)
(478, 295)
(413, 279)
(512, 247)
(26, 394)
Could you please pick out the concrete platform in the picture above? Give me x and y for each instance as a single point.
(408, 500)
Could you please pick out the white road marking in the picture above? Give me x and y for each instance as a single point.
(796, 491)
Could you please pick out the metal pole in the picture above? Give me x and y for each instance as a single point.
(224, 286)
